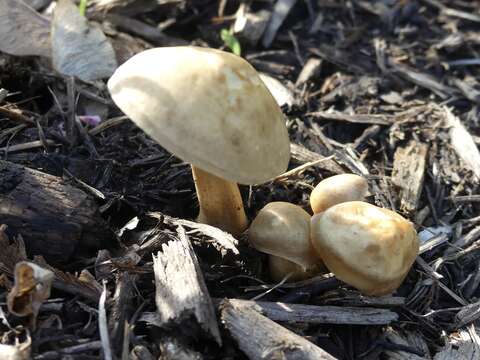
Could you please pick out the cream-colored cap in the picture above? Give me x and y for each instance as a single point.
(283, 229)
(365, 246)
(337, 189)
(208, 107)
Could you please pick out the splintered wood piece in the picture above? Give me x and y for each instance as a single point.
(409, 172)
(280, 12)
(312, 314)
(180, 288)
(261, 338)
(55, 219)
(303, 155)
(422, 79)
(463, 143)
(310, 70)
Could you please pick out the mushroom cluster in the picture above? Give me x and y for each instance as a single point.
(211, 109)
(367, 247)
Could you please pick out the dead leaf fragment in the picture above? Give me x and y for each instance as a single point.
(23, 32)
(79, 49)
(32, 288)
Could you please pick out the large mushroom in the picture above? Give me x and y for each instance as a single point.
(209, 108)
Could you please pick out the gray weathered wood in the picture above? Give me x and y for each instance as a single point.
(261, 338)
(180, 287)
(312, 314)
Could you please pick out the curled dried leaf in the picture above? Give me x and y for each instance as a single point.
(32, 288)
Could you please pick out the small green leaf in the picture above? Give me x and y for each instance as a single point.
(82, 7)
(231, 41)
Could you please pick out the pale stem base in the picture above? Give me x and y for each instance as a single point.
(220, 202)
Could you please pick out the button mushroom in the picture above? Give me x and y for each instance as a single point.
(365, 246)
(279, 268)
(211, 109)
(282, 230)
(337, 189)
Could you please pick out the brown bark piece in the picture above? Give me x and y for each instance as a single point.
(54, 218)
(408, 173)
(181, 292)
(261, 338)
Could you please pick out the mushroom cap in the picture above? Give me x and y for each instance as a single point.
(280, 267)
(365, 246)
(283, 229)
(337, 189)
(208, 107)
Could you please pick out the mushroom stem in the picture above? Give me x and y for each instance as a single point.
(220, 202)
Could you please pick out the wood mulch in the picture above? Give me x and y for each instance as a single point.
(385, 89)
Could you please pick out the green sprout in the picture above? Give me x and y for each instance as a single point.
(231, 41)
(82, 7)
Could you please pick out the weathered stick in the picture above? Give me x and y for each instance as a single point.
(54, 218)
(261, 338)
(312, 314)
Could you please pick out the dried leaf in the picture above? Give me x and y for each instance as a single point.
(23, 32)
(79, 49)
(32, 288)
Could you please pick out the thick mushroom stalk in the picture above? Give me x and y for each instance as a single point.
(220, 202)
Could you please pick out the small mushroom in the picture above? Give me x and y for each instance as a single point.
(211, 109)
(337, 189)
(279, 268)
(365, 246)
(282, 230)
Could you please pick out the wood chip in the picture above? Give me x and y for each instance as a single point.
(280, 12)
(303, 155)
(409, 172)
(180, 288)
(463, 143)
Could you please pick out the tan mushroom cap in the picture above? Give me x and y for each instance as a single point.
(365, 246)
(337, 189)
(279, 268)
(208, 107)
(283, 229)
